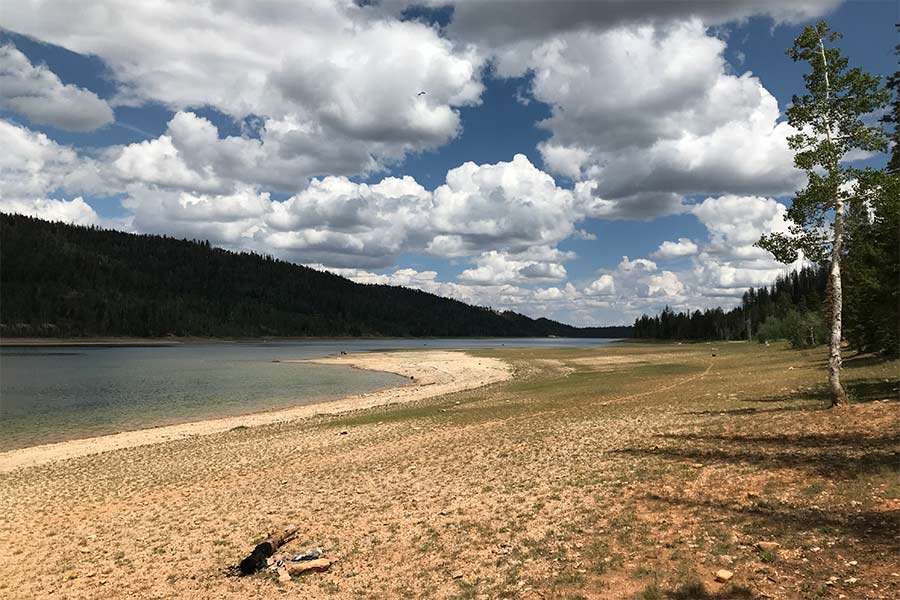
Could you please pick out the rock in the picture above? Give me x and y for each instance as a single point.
(770, 546)
(308, 566)
(345, 432)
(725, 560)
(723, 575)
(283, 575)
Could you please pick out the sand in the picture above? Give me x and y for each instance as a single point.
(432, 373)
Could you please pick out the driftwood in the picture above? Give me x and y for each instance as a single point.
(257, 559)
(308, 566)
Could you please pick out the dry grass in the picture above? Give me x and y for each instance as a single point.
(625, 472)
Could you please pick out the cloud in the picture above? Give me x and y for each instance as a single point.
(335, 84)
(604, 285)
(32, 166)
(510, 215)
(505, 206)
(642, 116)
(504, 23)
(536, 265)
(636, 265)
(669, 250)
(37, 93)
(75, 211)
(730, 262)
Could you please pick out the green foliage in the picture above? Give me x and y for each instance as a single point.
(772, 329)
(829, 124)
(872, 274)
(893, 116)
(761, 313)
(64, 280)
(804, 329)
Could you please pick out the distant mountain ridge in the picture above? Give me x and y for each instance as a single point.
(64, 280)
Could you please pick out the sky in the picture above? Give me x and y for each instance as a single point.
(584, 161)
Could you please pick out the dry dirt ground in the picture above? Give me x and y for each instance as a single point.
(634, 471)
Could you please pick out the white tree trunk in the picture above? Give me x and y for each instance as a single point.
(838, 395)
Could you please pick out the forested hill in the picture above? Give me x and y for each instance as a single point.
(65, 280)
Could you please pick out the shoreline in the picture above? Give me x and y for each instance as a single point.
(112, 341)
(431, 372)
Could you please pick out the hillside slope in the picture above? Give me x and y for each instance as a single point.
(65, 280)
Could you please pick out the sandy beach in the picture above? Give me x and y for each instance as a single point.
(431, 373)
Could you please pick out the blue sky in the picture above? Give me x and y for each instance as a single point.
(636, 125)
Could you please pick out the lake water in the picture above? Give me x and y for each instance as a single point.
(50, 394)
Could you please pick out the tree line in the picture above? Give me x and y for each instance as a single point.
(795, 296)
(59, 280)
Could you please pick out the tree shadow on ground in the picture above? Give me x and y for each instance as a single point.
(751, 410)
(887, 441)
(873, 528)
(860, 391)
(865, 360)
(833, 456)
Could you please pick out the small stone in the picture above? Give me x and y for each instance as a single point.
(852, 563)
(770, 546)
(283, 575)
(851, 580)
(344, 432)
(723, 575)
(457, 575)
(725, 560)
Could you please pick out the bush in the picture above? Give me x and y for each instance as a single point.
(804, 329)
(801, 329)
(771, 329)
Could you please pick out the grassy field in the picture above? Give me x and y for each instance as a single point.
(632, 471)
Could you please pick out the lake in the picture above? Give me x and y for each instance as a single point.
(56, 393)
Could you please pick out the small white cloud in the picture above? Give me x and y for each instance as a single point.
(669, 250)
(37, 93)
(75, 211)
(638, 264)
(602, 286)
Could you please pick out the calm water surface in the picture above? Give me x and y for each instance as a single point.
(50, 394)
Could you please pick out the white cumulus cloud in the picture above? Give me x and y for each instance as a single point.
(37, 93)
